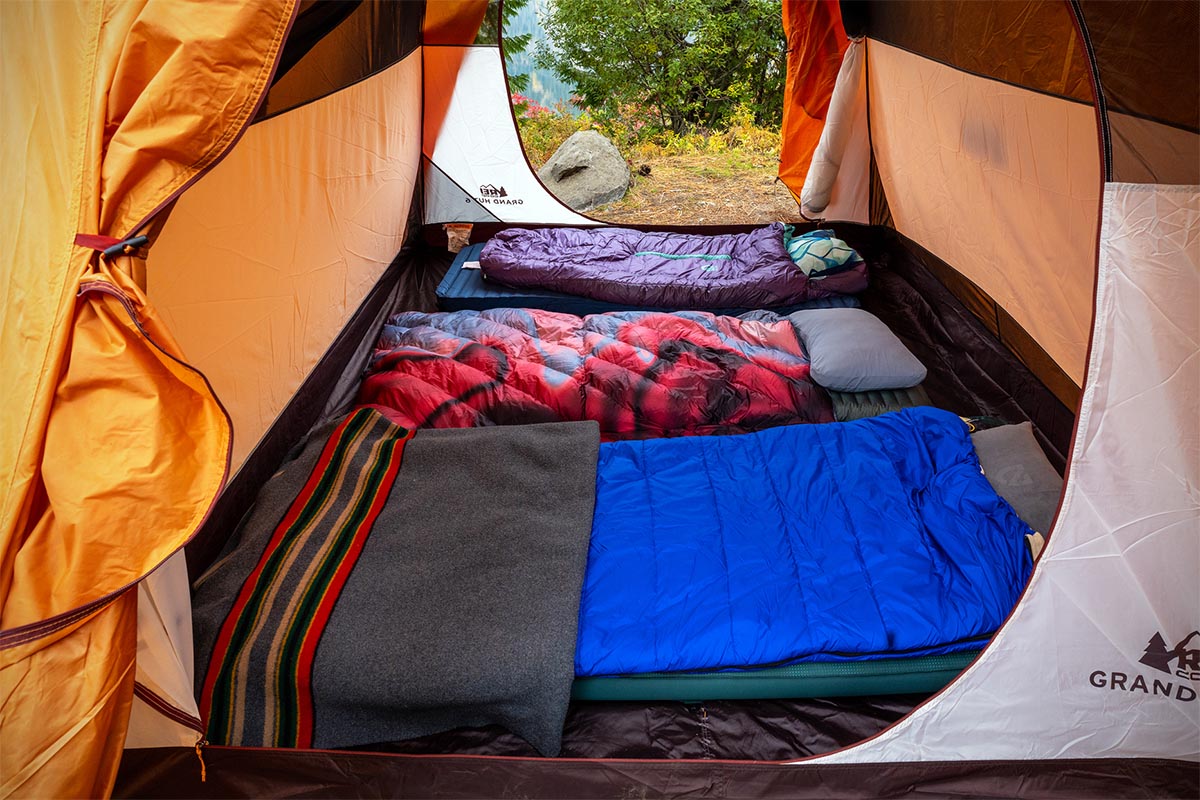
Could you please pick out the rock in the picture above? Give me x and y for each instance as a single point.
(586, 171)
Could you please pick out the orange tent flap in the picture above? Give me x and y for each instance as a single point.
(162, 91)
(113, 449)
(453, 21)
(816, 44)
(184, 83)
(69, 744)
(135, 452)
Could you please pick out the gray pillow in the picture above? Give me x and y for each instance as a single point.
(1018, 470)
(852, 351)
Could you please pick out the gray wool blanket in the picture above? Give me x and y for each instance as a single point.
(390, 585)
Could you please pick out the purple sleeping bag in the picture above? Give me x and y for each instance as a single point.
(662, 270)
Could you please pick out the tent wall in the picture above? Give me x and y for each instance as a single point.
(1096, 660)
(380, 194)
(948, 324)
(1067, 676)
(983, 134)
(453, 22)
(1028, 43)
(1151, 87)
(304, 410)
(1147, 151)
(289, 234)
(1001, 182)
(339, 44)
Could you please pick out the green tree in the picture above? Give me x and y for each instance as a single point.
(679, 64)
(498, 16)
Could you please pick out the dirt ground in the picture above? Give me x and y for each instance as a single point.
(703, 189)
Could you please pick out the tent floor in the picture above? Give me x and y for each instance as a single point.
(259, 772)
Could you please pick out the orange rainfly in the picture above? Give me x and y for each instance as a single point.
(113, 448)
(453, 23)
(816, 43)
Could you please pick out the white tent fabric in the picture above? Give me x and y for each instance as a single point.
(479, 149)
(165, 664)
(838, 182)
(1065, 676)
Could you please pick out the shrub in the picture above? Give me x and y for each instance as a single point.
(543, 130)
(635, 134)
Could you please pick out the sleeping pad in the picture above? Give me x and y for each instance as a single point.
(654, 268)
(640, 374)
(874, 538)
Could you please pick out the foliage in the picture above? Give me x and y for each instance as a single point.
(494, 22)
(525, 107)
(675, 65)
(543, 130)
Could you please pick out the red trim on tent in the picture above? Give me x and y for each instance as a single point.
(165, 708)
(96, 241)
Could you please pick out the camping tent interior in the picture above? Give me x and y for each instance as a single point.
(1021, 178)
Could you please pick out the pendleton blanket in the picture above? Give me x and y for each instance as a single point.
(639, 374)
(387, 586)
(665, 270)
(874, 538)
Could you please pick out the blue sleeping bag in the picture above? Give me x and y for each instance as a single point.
(873, 538)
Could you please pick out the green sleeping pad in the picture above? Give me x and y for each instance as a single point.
(920, 674)
(849, 406)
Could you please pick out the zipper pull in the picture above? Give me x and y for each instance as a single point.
(200, 743)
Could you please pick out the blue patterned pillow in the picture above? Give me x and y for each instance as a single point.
(820, 253)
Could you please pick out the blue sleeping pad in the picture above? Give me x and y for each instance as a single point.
(464, 289)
